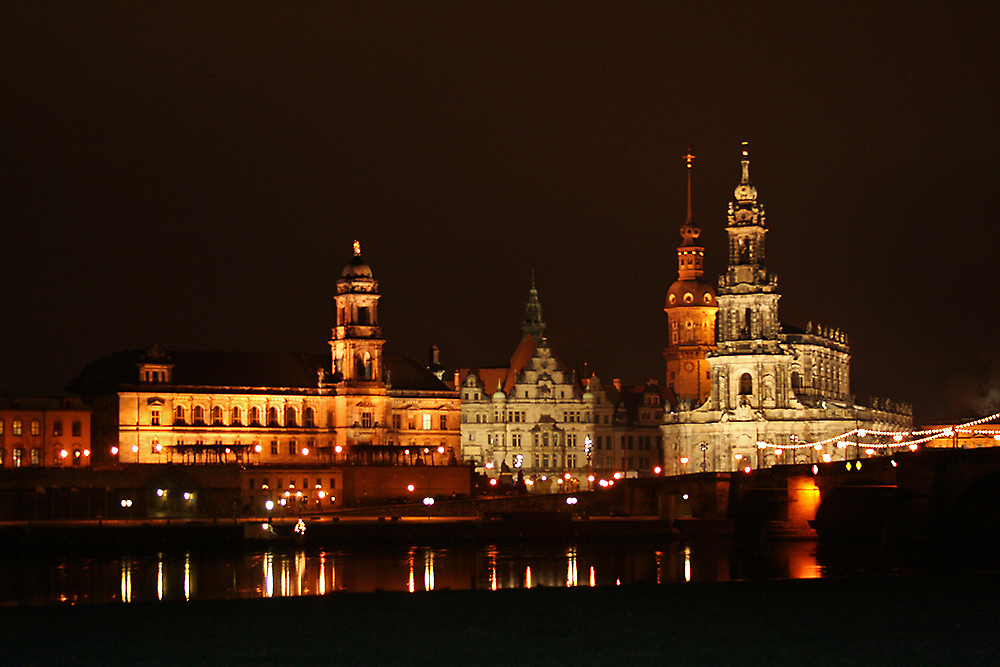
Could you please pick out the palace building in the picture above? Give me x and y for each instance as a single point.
(768, 382)
(533, 418)
(352, 406)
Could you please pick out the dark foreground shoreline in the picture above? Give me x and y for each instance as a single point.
(902, 620)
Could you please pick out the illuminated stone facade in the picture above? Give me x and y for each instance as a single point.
(769, 382)
(277, 409)
(50, 432)
(534, 417)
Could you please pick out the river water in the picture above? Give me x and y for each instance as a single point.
(71, 577)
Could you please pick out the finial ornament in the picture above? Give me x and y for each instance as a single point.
(689, 157)
(357, 248)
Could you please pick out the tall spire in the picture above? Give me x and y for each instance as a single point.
(533, 325)
(689, 157)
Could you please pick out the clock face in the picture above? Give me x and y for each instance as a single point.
(688, 366)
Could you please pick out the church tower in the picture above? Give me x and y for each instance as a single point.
(750, 364)
(691, 311)
(356, 345)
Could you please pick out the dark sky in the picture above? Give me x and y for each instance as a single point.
(194, 173)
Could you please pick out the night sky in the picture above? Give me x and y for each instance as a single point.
(194, 173)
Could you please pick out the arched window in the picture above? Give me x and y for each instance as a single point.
(272, 416)
(255, 416)
(36, 427)
(217, 416)
(290, 417)
(796, 381)
(17, 427)
(18, 457)
(746, 385)
(179, 414)
(198, 415)
(36, 456)
(236, 416)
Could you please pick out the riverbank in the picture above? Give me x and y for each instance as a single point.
(903, 620)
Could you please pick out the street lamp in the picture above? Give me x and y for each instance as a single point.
(704, 456)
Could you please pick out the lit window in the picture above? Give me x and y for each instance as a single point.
(16, 427)
(427, 422)
(18, 456)
(36, 456)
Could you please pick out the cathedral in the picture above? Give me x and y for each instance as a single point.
(752, 391)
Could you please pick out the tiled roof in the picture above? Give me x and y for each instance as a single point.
(287, 370)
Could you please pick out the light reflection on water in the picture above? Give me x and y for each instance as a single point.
(273, 572)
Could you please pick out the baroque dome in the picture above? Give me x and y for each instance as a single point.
(691, 293)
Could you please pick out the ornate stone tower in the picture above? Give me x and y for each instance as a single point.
(533, 325)
(356, 346)
(691, 311)
(750, 364)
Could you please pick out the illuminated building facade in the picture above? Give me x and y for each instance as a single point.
(691, 311)
(49, 432)
(770, 382)
(354, 406)
(535, 418)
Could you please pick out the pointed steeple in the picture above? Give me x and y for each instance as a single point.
(533, 325)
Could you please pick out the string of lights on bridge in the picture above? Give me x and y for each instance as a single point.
(900, 439)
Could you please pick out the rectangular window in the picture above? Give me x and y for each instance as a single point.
(397, 422)
(333, 484)
(36, 427)
(443, 422)
(56, 428)
(571, 460)
(154, 417)
(274, 446)
(77, 428)
(16, 427)
(36, 456)
(291, 448)
(545, 460)
(427, 422)
(251, 486)
(366, 420)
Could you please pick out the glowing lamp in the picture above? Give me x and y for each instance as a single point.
(159, 492)
(572, 500)
(410, 487)
(747, 469)
(441, 449)
(617, 475)
(114, 451)
(159, 448)
(590, 478)
(684, 460)
(913, 448)
(428, 501)
(493, 481)
(321, 494)
(738, 457)
(305, 451)
(567, 476)
(63, 453)
(258, 449)
(818, 448)
(657, 470)
(862, 432)
(86, 452)
(135, 449)
(870, 451)
(338, 449)
(778, 451)
(269, 505)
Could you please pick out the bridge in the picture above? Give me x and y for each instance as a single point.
(900, 497)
